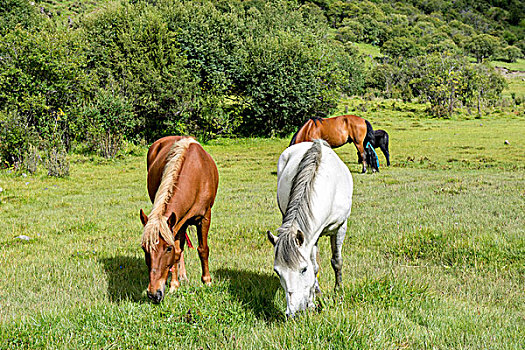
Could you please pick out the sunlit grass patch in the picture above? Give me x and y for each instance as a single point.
(433, 256)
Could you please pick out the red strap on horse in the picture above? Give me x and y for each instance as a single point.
(188, 240)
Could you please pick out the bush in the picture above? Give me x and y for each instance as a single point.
(16, 138)
(57, 163)
(401, 47)
(17, 12)
(108, 119)
(134, 54)
(483, 46)
(511, 54)
(42, 74)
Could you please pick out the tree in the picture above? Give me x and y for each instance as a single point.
(483, 46)
(442, 80)
(511, 53)
(487, 85)
(401, 47)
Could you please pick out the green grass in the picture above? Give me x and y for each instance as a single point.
(434, 255)
(368, 49)
(519, 65)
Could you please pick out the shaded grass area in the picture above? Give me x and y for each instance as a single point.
(434, 255)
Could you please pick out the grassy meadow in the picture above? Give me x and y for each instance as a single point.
(434, 255)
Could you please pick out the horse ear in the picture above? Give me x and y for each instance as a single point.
(143, 217)
(172, 220)
(299, 238)
(271, 237)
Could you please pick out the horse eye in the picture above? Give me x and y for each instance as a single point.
(303, 270)
(169, 249)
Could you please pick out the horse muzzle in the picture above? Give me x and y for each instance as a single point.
(156, 297)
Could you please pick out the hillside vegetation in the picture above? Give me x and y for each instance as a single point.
(89, 76)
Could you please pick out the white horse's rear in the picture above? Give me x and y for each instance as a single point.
(332, 187)
(314, 193)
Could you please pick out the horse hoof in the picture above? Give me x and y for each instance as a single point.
(184, 278)
(206, 280)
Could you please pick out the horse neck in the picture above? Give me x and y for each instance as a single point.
(165, 194)
(299, 208)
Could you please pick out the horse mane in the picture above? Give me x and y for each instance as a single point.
(317, 119)
(298, 212)
(157, 223)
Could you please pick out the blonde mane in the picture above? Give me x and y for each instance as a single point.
(157, 223)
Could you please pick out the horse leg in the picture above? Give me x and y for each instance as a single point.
(336, 242)
(202, 234)
(174, 283)
(183, 277)
(315, 258)
(361, 151)
(386, 153)
(384, 148)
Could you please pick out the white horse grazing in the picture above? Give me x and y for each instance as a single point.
(314, 192)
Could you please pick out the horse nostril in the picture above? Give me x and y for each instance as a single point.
(157, 297)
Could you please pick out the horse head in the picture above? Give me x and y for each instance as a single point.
(160, 253)
(295, 269)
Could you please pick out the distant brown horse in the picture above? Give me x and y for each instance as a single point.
(337, 131)
(182, 184)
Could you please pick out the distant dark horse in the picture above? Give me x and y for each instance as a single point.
(381, 141)
(337, 131)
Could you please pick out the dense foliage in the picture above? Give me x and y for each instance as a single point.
(139, 70)
(143, 70)
(430, 23)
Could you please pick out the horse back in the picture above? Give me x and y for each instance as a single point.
(329, 129)
(197, 181)
(196, 186)
(156, 161)
(332, 185)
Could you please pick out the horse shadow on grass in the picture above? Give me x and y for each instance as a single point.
(126, 278)
(255, 291)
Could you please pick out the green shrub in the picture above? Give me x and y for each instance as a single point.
(41, 75)
(511, 53)
(108, 119)
(401, 47)
(483, 46)
(133, 53)
(17, 13)
(16, 138)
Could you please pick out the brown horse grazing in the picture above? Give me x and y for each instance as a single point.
(337, 131)
(182, 184)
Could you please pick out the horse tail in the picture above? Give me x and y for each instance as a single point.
(369, 137)
(371, 155)
(369, 144)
